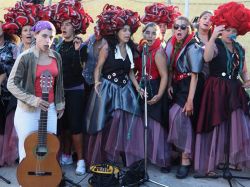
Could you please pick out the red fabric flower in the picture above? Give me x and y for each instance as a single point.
(22, 14)
(160, 13)
(113, 18)
(233, 15)
(69, 10)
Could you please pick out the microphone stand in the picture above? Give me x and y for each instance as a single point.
(4, 179)
(145, 54)
(67, 180)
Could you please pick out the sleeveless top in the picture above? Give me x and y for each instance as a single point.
(116, 70)
(151, 66)
(227, 64)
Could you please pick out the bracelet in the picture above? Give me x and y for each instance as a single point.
(139, 89)
(97, 82)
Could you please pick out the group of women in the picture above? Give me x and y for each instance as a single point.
(195, 84)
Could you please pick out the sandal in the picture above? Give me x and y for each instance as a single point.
(212, 174)
(231, 167)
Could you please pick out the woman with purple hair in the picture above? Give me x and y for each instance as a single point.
(24, 84)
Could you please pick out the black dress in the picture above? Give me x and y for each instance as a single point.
(113, 117)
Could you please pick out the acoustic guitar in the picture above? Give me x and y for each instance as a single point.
(40, 167)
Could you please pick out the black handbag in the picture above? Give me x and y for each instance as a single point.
(135, 174)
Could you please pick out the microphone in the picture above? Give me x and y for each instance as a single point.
(233, 37)
(144, 43)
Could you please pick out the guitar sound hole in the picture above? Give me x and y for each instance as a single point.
(41, 151)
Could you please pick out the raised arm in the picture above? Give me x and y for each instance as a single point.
(210, 47)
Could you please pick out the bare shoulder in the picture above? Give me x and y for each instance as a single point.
(160, 53)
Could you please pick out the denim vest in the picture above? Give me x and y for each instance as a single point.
(88, 71)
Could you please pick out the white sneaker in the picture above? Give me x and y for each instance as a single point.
(80, 167)
(66, 159)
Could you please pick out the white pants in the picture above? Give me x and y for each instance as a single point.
(27, 122)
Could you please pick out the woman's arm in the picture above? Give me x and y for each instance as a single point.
(103, 54)
(160, 60)
(210, 47)
(188, 107)
(245, 76)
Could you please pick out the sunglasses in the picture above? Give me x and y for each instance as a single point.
(182, 27)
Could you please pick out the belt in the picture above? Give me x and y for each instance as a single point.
(226, 76)
(178, 77)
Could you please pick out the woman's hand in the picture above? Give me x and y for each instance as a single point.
(246, 84)
(141, 92)
(170, 92)
(44, 105)
(217, 31)
(188, 108)
(97, 87)
(60, 113)
(154, 100)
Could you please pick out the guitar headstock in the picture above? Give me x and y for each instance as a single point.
(46, 81)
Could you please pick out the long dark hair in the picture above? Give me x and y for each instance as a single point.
(201, 15)
(113, 41)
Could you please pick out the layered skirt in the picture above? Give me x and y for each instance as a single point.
(113, 119)
(8, 135)
(223, 124)
(9, 142)
(180, 130)
(158, 149)
(211, 148)
(181, 127)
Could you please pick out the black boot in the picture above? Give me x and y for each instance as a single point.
(182, 172)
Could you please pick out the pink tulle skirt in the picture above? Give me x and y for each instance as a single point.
(121, 136)
(180, 130)
(159, 150)
(9, 142)
(211, 147)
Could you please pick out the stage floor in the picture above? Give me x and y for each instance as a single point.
(154, 173)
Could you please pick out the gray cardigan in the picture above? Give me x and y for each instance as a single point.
(21, 82)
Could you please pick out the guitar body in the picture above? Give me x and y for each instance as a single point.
(40, 167)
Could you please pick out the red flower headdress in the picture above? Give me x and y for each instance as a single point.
(69, 10)
(160, 13)
(22, 14)
(113, 18)
(233, 15)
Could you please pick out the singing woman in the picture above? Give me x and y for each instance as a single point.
(24, 84)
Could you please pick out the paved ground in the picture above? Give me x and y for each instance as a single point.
(154, 173)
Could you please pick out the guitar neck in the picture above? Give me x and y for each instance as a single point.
(42, 128)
